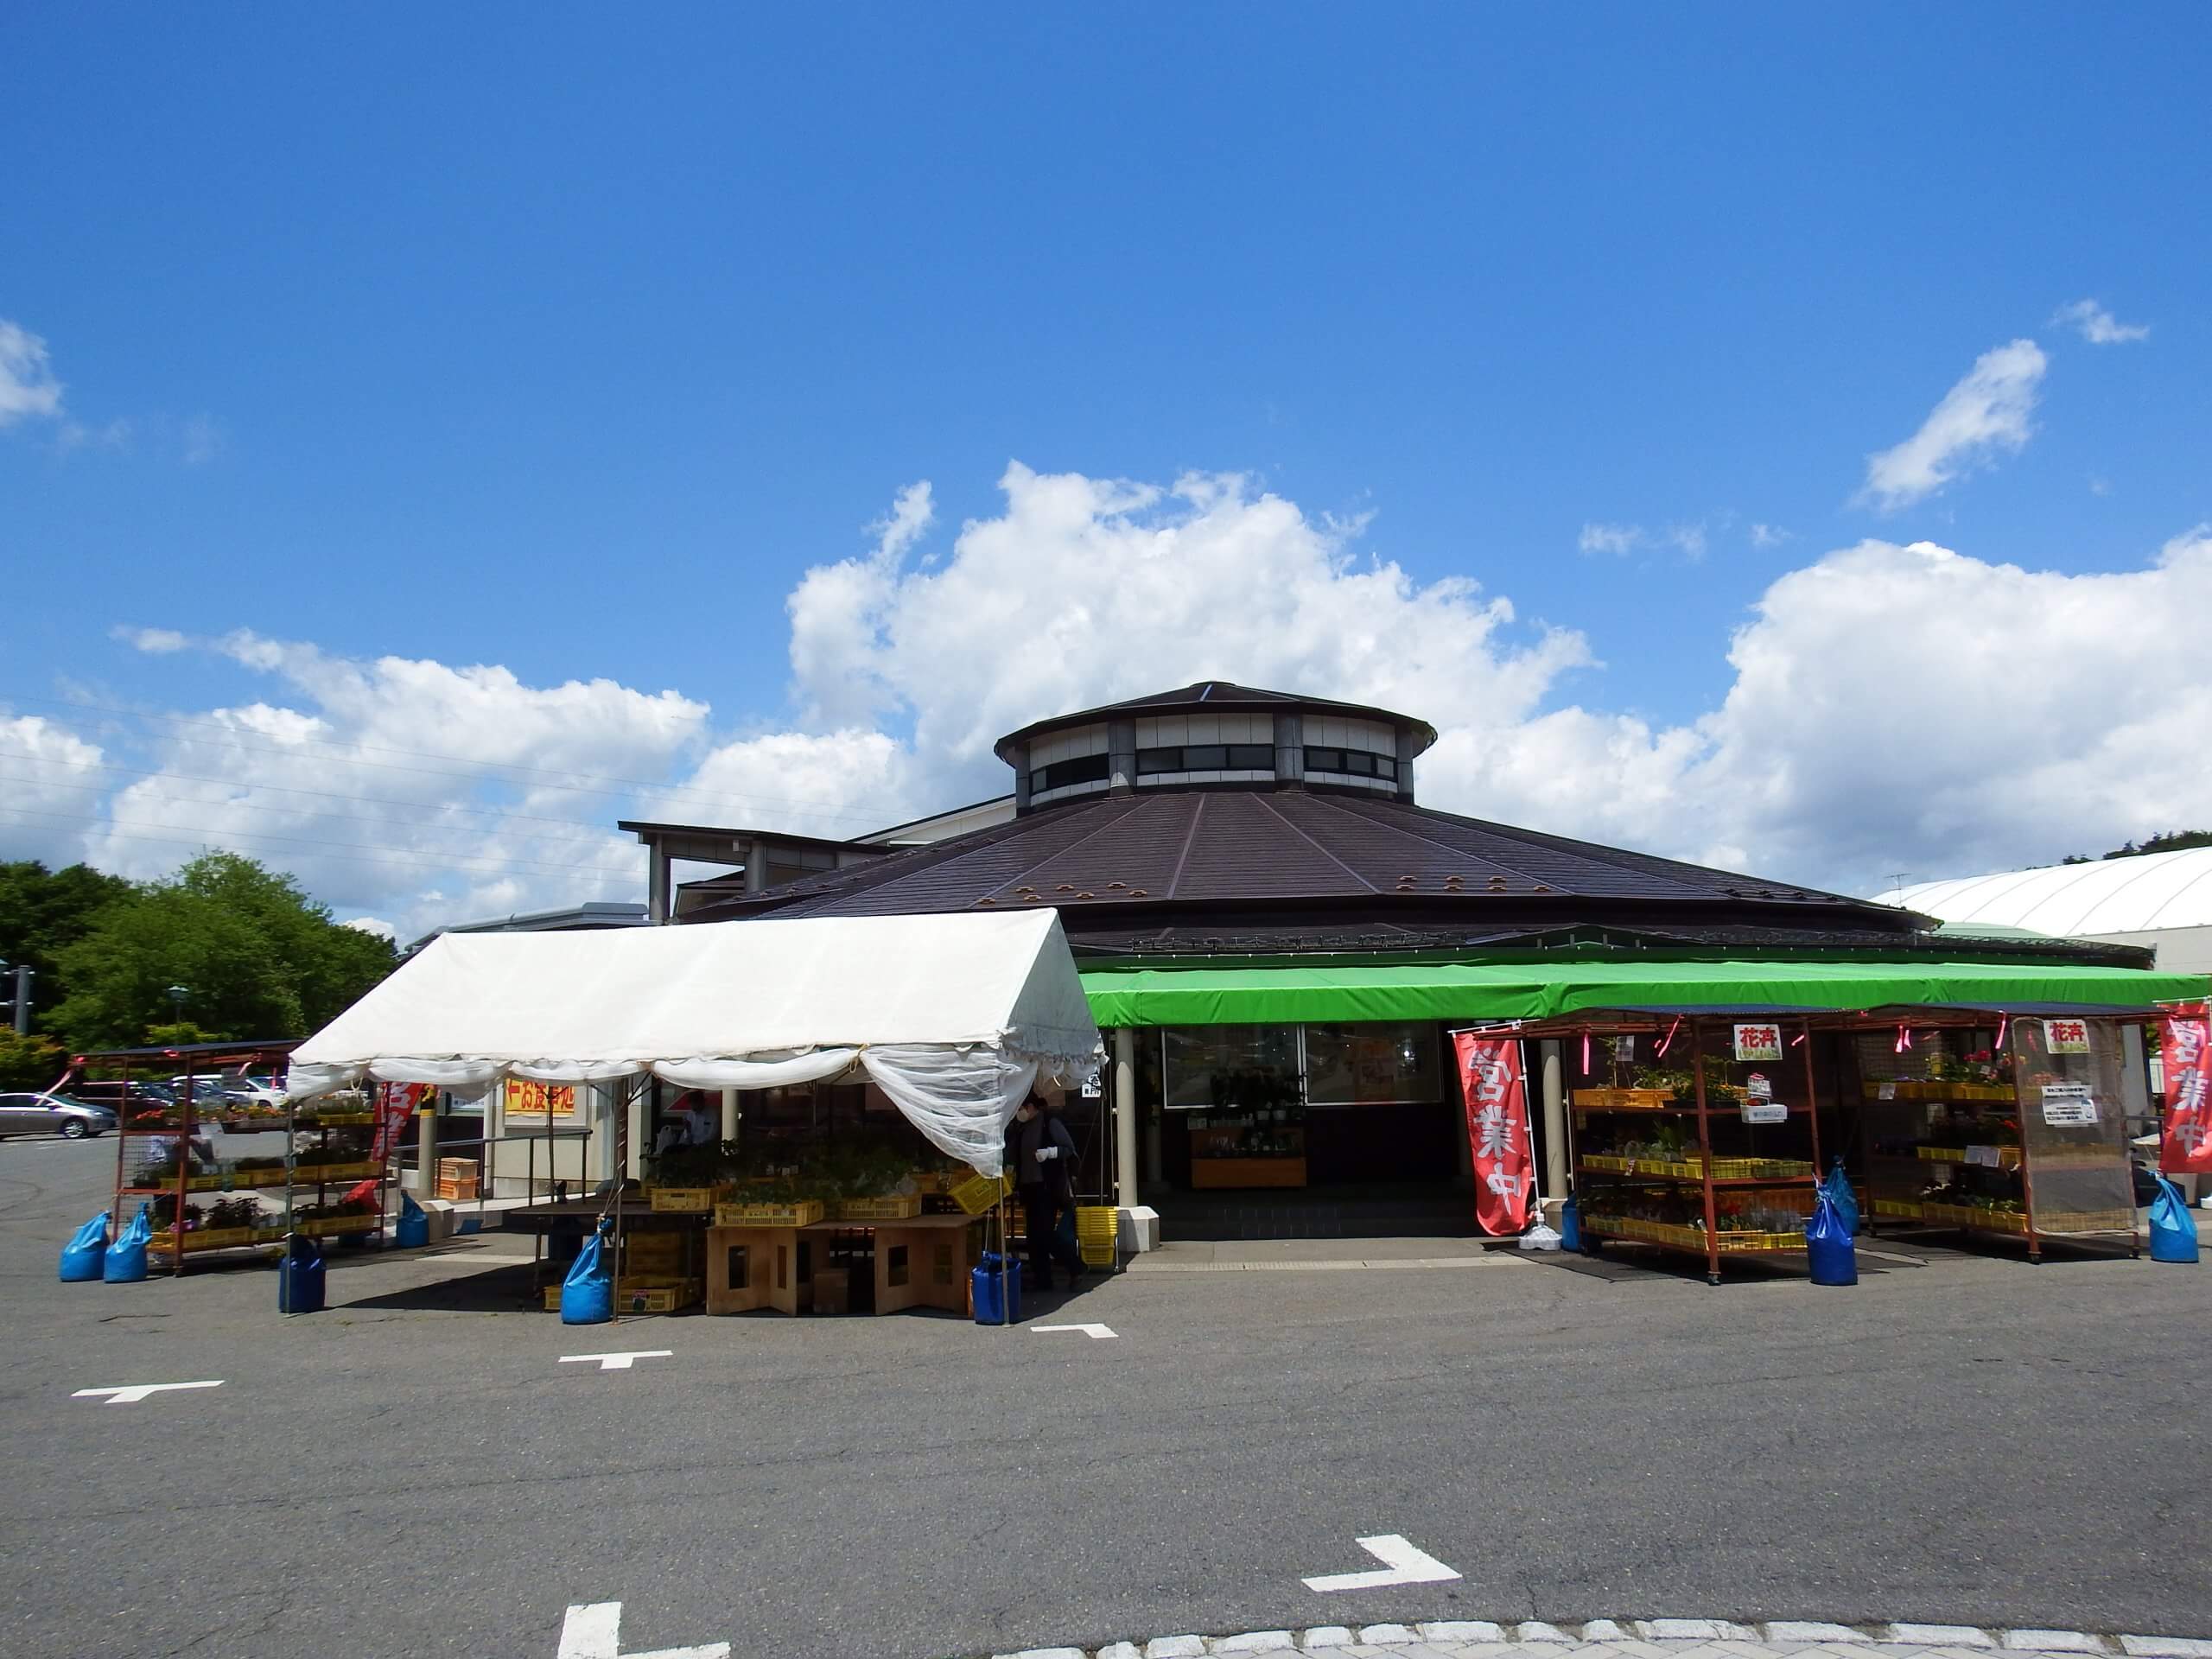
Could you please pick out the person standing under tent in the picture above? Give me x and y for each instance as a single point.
(1041, 1156)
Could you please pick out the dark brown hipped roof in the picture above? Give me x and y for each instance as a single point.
(1205, 862)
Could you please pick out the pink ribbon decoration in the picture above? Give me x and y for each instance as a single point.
(1798, 1038)
(2004, 1024)
(1586, 1053)
(1904, 1038)
(1671, 1030)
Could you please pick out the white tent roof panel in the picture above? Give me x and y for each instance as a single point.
(2149, 891)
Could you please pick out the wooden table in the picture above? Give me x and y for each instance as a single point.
(920, 1262)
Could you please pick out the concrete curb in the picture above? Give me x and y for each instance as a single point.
(1640, 1639)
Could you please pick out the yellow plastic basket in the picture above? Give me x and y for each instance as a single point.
(1098, 1234)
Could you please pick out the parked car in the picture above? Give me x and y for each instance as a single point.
(111, 1096)
(253, 1091)
(204, 1087)
(52, 1115)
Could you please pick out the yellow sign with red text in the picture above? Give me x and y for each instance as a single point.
(528, 1099)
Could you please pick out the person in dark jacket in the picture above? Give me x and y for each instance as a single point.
(1041, 1156)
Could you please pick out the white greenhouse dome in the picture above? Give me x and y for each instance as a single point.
(2159, 901)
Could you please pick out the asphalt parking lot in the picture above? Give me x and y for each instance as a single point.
(1962, 1437)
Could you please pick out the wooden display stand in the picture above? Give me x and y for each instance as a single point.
(757, 1267)
(1215, 1162)
(920, 1262)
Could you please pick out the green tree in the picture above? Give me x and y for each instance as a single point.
(29, 1062)
(258, 958)
(44, 912)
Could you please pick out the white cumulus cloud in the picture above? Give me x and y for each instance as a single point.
(1885, 707)
(1610, 538)
(28, 387)
(2098, 326)
(1987, 413)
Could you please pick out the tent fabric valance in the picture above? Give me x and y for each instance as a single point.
(1312, 993)
(952, 1016)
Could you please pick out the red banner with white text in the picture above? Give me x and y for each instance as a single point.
(2185, 1057)
(396, 1104)
(1497, 1092)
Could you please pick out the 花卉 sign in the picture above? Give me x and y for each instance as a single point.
(2066, 1036)
(1758, 1042)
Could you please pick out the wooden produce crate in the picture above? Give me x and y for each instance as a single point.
(458, 1178)
(804, 1213)
(898, 1206)
(1623, 1100)
(685, 1200)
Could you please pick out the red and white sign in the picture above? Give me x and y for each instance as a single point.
(2066, 1036)
(1497, 1093)
(1760, 1042)
(2185, 1053)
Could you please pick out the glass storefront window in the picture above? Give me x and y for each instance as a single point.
(1212, 1068)
(1371, 1064)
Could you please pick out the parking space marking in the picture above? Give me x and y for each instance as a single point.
(594, 1631)
(618, 1363)
(1096, 1332)
(1401, 1564)
(131, 1393)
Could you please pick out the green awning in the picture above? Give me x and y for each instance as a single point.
(1310, 993)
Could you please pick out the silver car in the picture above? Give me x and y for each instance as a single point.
(52, 1115)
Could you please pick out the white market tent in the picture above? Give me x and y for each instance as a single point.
(2160, 900)
(952, 1016)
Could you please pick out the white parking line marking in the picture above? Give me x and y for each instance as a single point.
(1096, 1332)
(131, 1393)
(618, 1363)
(1403, 1563)
(594, 1631)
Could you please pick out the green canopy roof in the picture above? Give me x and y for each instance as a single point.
(1306, 993)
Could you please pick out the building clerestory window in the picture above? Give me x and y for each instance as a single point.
(1206, 757)
(1352, 763)
(1084, 769)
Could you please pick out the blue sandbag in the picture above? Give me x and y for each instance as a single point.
(1570, 1227)
(587, 1293)
(85, 1256)
(997, 1275)
(412, 1230)
(125, 1262)
(2173, 1229)
(1838, 1187)
(1827, 1241)
(300, 1277)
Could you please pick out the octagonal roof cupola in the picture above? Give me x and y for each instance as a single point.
(1214, 734)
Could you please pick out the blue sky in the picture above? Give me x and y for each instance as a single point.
(570, 341)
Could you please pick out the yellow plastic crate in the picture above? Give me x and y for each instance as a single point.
(685, 1200)
(804, 1213)
(899, 1206)
(980, 1193)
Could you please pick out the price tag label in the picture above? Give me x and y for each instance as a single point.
(1765, 1111)
(1886, 1091)
(2069, 1105)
